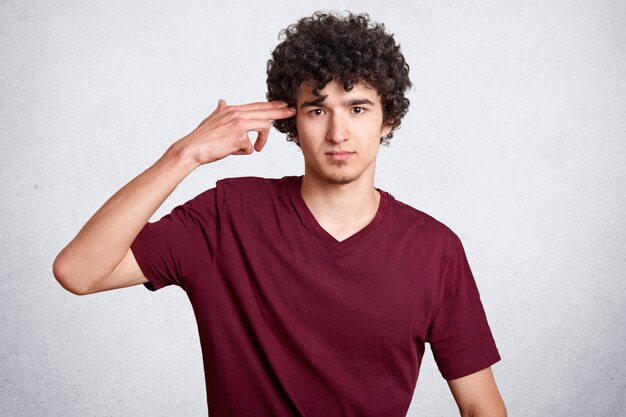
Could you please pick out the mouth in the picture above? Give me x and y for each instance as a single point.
(339, 155)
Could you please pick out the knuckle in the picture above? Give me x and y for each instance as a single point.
(237, 123)
(242, 142)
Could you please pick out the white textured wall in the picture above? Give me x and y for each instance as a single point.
(516, 139)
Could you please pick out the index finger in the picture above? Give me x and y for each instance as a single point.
(271, 114)
(262, 105)
(267, 114)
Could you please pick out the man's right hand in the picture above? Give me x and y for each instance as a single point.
(225, 131)
(99, 258)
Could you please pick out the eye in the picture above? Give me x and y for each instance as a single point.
(316, 112)
(358, 110)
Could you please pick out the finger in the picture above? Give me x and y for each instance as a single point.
(268, 114)
(255, 125)
(261, 139)
(262, 127)
(247, 149)
(221, 104)
(262, 105)
(289, 112)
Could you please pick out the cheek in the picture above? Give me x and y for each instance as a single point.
(309, 127)
(370, 127)
(300, 125)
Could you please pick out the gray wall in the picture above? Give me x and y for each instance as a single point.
(515, 139)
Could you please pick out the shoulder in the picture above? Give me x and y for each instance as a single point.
(251, 183)
(421, 226)
(252, 192)
(253, 186)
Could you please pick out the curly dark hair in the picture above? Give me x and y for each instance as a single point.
(350, 49)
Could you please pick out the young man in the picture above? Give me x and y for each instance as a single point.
(314, 295)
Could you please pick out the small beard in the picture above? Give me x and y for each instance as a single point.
(339, 179)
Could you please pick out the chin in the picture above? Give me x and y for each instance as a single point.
(340, 180)
(338, 174)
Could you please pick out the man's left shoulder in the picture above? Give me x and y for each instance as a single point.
(417, 221)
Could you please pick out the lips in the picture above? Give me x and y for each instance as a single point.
(339, 155)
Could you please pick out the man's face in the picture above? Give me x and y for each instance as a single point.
(339, 132)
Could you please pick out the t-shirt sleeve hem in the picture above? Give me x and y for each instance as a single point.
(153, 283)
(470, 368)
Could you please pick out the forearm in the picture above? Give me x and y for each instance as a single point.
(105, 239)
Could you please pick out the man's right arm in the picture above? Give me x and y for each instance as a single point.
(99, 257)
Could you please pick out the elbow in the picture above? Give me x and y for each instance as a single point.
(499, 411)
(66, 278)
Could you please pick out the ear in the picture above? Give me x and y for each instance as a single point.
(295, 139)
(386, 128)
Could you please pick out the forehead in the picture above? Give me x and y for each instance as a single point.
(335, 90)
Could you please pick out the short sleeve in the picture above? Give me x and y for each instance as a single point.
(459, 334)
(179, 248)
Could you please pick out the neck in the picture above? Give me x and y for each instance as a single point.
(341, 209)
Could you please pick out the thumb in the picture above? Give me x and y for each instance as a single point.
(221, 104)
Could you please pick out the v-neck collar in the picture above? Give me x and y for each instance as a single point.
(310, 222)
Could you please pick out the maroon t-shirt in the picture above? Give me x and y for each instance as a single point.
(293, 322)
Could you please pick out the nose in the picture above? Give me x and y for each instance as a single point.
(337, 129)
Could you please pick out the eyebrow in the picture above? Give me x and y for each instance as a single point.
(319, 102)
